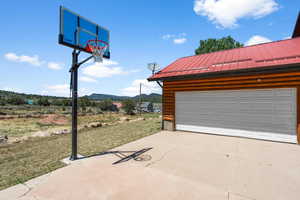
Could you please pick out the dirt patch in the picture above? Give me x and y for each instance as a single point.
(54, 119)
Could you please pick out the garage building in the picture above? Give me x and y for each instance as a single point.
(252, 92)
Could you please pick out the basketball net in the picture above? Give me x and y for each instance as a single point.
(97, 51)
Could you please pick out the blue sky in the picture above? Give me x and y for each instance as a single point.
(142, 31)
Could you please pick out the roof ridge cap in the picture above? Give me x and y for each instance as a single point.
(241, 47)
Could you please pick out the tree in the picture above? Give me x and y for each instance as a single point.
(66, 102)
(107, 105)
(84, 101)
(16, 100)
(43, 101)
(2, 101)
(212, 45)
(150, 107)
(128, 105)
(56, 102)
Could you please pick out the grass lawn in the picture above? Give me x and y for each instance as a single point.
(37, 156)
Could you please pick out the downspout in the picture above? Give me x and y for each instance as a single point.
(162, 105)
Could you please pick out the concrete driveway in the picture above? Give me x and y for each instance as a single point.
(180, 165)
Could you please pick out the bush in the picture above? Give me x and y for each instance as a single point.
(16, 100)
(84, 101)
(66, 102)
(150, 107)
(43, 102)
(128, 105)
(107, 105)
(83, 108)
(2, 101)
(57, 102)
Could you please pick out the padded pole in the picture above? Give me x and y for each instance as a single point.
(74, 71)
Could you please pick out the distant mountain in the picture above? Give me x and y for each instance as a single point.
(8, 94)
(153, 97)
(106, 96)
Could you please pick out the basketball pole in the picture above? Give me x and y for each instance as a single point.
(74, 88)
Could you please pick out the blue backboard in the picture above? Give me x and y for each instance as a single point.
(75, 31)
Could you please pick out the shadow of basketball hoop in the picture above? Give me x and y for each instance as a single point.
(144, 157)
(125, 155)
(136, 155)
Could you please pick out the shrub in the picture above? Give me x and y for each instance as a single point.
(128, 105)
(84, 101)
(16, 100)
(107, 105)
(43, 101)
(2, 101)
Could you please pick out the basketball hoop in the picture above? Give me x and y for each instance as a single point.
(97, 48)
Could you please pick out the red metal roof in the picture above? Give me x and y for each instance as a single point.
(279, 53)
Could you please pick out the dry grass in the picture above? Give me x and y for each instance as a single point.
(19, 127)
(37, 156)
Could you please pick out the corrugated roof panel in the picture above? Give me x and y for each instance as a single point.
(263, 55)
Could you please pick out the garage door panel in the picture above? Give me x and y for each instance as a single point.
(278, 123)
(252, 126)
(250, 113)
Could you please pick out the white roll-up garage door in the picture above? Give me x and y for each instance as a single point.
(268, 114)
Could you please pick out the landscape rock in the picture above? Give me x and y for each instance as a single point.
(41, 134)
(16, 140)
(61, 132)
(138, 119)
(122, 119)
(95, 124)
(3, 139)
(85, 126)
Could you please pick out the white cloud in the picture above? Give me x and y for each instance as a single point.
(147, 88)
(11, 57)
(87, 79)
(168, 36)
(59, 89)
(64, 90)
(179, 40)
(33, 60)
(106, 69)
(11, 89)
(55, 65)
(84, 91)
(257, 39)
(226, 13)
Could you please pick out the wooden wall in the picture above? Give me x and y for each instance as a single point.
(278, 80)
